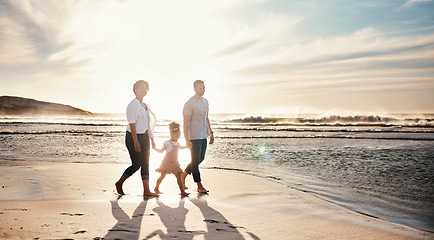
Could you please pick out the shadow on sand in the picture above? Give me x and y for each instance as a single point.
(126, 227)
(218, 227)
(174, 220)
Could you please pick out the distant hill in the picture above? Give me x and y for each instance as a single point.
(10, 105)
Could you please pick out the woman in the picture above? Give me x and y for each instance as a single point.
(139, 132)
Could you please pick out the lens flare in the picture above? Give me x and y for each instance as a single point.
(267, 158)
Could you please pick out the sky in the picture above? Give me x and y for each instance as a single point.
(255, 56)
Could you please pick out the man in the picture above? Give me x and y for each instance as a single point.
(196, 130)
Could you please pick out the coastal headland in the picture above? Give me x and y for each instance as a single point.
(11, 105)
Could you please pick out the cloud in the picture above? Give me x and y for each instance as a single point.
(366, 44)
(268, 48)
(236, 48)
(21, 39)
(411, 3)
(364, 63)
(418, 1)
(255, 41)
(40, 54)
(30, 38)
(55, 47)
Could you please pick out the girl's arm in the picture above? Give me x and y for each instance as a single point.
(183, 147)
(160, 150)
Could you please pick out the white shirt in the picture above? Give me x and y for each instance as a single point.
(136, 113)
(198, 110)
(168, 144)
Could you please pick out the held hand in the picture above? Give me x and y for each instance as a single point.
(137, 148)
(188, 144)
(153, 144)
(211, 139)
(158, 150)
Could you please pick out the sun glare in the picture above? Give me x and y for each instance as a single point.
(169, 50)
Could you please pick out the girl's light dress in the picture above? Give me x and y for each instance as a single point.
(170, 162)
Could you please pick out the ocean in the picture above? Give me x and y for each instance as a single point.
(380, 166)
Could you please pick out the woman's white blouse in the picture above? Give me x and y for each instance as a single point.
(137, 114)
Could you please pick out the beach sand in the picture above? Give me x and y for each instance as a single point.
(77, 201)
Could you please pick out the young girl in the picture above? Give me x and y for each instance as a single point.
(170, 162)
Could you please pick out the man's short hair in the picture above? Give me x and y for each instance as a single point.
(197, 82)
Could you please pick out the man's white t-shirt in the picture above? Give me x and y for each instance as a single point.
(198, 110)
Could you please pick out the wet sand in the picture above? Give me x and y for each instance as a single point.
(78, 201)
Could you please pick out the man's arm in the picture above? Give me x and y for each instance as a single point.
(211, 133)
(187, 119)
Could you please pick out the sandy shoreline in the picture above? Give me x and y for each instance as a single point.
(77, 201)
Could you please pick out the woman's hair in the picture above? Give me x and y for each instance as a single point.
(174, 127)
(140, 82)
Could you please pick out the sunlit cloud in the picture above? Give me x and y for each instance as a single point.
(88, 53)
(410, 3)
(365, 62)
(367, 50)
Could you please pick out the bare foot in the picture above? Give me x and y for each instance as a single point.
(185, 187)
(202, 190)
(157, 191)
(200, 195)
(150, 194)
(119, 188)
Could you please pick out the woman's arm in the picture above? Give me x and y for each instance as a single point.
(134, 134)
(151, 124)
(153, 143)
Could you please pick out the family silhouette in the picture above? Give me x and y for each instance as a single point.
(174, 221)
(218, 227)
(126, 227)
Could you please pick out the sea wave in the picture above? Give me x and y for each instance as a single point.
(336, 120)
(68, 131)
(117, 133)
(104, 124)
(421, 138)
(404, 120)
(379, 129)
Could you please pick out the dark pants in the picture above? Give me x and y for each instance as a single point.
(138, 159)
(197, 156)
